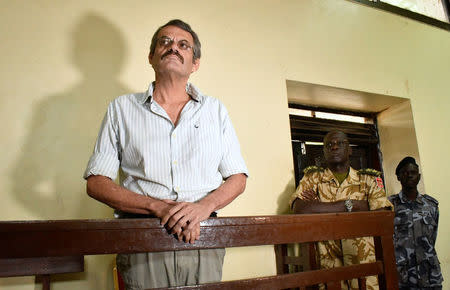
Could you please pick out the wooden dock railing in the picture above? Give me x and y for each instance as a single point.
(51, 247)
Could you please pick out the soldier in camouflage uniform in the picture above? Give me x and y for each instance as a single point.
(340, 188)
(415, 231)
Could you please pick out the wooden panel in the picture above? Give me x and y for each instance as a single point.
(334, 285)
(40, 266)
(384, 248)
(28, 242)
(297, 279)
(91, 237)
(44, 280)
(280, 257)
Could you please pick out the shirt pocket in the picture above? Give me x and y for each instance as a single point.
(429, 224)
(401, 230)
(205, 143)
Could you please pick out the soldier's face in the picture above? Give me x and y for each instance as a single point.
(409, 176)
(336, 148)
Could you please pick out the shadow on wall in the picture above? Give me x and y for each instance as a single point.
(48, 175)
(63, 128)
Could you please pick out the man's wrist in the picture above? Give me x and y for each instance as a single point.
(209, 204)
(154, 206)
(348, 205)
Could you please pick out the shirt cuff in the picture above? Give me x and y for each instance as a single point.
(102, 164)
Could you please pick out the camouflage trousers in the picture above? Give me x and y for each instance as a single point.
(347, 252)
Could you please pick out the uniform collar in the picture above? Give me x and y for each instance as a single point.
(352, 178)
(192, 91)
(404, 199)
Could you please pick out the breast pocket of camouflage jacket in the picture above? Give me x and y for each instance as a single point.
(402, 224)
(429, 224)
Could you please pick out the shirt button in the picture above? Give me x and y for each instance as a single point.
(174, 135)
(175, 162)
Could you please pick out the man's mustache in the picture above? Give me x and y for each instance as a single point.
(174, 52)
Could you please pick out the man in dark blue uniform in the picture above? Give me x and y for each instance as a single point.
(415, 231)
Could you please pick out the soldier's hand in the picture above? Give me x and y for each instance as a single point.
(310, 195)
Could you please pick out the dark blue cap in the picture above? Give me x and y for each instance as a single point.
(406, 160)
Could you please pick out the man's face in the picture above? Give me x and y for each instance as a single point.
(174, 52)
(336, 148)
(409, 176)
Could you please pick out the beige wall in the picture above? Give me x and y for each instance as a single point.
(397, 140)
(62, 61)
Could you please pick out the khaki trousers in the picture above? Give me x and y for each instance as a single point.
(169, 269)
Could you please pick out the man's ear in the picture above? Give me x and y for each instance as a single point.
(196, 65)
(150, 56)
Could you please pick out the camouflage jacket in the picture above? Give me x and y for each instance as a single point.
(364, 184)
(415, 232)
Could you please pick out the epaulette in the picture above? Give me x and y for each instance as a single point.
(312, 169)
(369, 171)
(431, 199)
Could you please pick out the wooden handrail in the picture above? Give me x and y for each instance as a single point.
(33, 239)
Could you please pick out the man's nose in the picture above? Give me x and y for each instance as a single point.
(334, 146)
(174, 46)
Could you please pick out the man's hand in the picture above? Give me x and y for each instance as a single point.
(165, 214)
(184, 219)
(164, 207)
(310, 195)
(190, 236)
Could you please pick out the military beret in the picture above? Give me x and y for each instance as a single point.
(406, 160)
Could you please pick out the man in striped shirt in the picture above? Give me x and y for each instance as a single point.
(179, 160)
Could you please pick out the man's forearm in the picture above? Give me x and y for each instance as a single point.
(226, 193)
(105, 190)
(305, 206)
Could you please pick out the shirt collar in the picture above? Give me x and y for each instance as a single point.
(192, 91)
(404, 199)
(352, 177)
(328, 175)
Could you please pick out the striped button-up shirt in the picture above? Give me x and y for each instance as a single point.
(157, 159)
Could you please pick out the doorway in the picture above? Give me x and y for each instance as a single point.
(309, 125)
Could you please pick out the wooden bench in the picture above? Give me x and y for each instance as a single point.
(38, 241)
